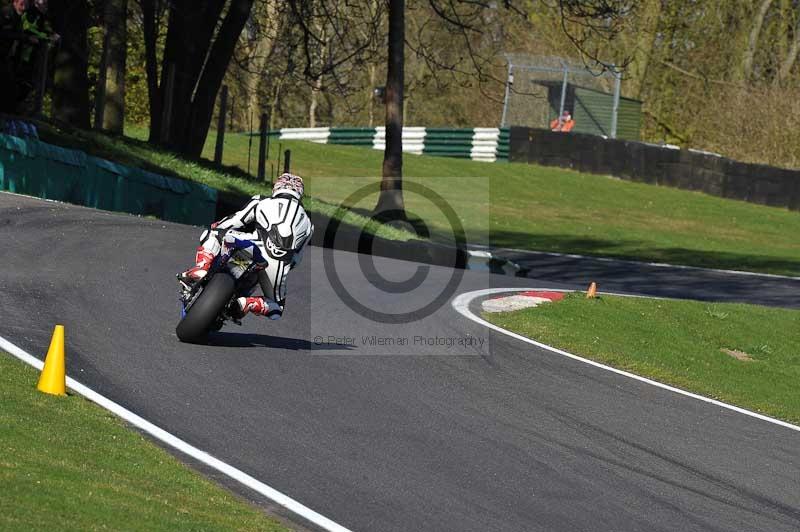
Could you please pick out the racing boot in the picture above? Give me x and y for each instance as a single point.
(261, 306)
(203, 260)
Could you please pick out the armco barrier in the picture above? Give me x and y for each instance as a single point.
(479, 144)
(29, 166)
(656, 164)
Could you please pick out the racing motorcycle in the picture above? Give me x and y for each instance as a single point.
(207, 304)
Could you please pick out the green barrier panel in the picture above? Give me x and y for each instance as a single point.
(34, 168)
(449, 139)
(448, 142)
(59, 173)
(448, 148)
(353, 136)
(456, 154)
(15, 157)
(37, 169)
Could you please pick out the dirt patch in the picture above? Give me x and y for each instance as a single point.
(738, 355)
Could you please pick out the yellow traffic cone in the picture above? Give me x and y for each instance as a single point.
(53, 379)
(592, 292)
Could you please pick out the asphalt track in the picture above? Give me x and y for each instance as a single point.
(494, 436)
(657, 279)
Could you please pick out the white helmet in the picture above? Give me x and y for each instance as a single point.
(289, 184)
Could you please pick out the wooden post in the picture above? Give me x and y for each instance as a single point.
(223, 110)
(166, 112)
(44, 55)
(249, 143)
(100, 89)
(278, 166)
(287, 157)
(262, 147)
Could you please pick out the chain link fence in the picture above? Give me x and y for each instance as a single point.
(540, 89)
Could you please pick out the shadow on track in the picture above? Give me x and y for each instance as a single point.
(225, 339)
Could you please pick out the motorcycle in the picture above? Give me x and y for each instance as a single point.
(207, 304)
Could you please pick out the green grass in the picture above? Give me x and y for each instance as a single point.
(133, 151)
(549, 209)
(67, 464)
(679, 343)
(509, 205)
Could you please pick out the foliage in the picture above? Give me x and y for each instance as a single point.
(684, 59)
(712, 75)
(549, 209)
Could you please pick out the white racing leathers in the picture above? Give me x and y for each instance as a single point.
(280, 227)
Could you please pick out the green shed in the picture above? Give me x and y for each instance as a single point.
(592, 109)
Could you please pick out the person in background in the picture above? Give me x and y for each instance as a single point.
(24, 30)
(564, 123)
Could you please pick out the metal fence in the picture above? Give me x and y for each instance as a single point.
(540, 89)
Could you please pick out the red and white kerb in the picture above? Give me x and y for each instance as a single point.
(520, 300)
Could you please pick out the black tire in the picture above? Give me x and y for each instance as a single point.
(201, 316)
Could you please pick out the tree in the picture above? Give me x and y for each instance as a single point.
(110, 102)
(467, 21)
(390, 202)
(752, 41)
(200, 41)
(249, 76)
(70, 79)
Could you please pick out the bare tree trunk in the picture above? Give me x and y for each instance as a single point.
(390, 202)
(150, 19)
(371, 101)
(190, 36)
(791, 56)
(752, 43)
(645, 43)
(252, 54)
(71, 82)
(316, 89)
(273, 106)
(262, 53)
(195, 130)
(115, 51)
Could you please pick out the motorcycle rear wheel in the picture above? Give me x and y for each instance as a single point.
(202, 315)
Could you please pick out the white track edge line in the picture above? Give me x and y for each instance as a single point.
(182, 446)
(461, 305)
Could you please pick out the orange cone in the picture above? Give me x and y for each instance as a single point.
(592, 292)
(53, 379)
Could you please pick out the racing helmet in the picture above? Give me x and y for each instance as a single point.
(289, 184)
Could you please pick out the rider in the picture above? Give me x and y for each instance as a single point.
(279, 226)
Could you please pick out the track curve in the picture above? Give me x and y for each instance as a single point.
(465, 436)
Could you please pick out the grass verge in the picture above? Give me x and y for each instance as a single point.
(688, 344)
(68, 464)
(134, 151)
(549, 209)
(503, 205)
